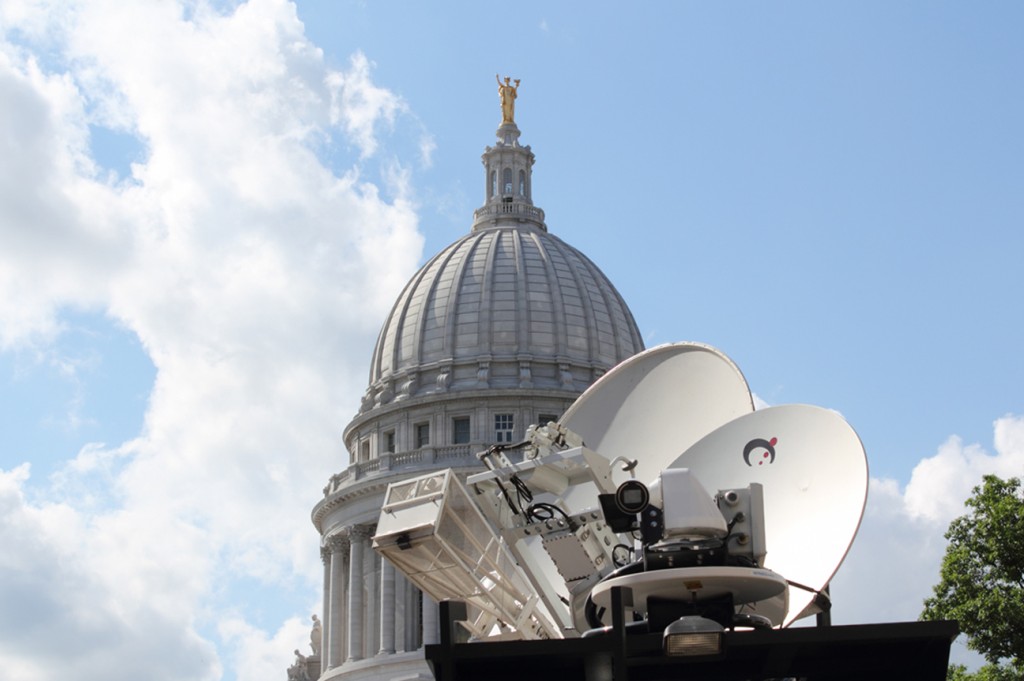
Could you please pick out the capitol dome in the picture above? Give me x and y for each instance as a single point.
(502, 329)
(508, 309)
(507, 306)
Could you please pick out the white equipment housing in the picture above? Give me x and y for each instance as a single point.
(689, 511)
(535, 546)
(432, 532)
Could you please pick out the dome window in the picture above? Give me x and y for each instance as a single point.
(422, 435)
(506, 178)
(504, 424)
(460, 430)
(522, 183)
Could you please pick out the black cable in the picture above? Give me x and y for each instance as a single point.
(508, 497)
(522, 491)
(732, 523)
(625, 546)
(591, 611)
(542, 511)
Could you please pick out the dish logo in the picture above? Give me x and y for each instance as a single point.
(756, 444)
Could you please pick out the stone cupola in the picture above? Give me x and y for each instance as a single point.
(508, 173)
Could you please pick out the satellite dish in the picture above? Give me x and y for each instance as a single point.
(815, 476)
(657, 403)
(649, 408)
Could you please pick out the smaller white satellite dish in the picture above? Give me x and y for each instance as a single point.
(815, 477)
(656, 404)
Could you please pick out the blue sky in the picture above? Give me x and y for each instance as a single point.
(206, 211)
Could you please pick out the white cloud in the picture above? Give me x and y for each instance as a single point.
(940, 484)
(895, 559)
(255, 655)
(255, 276)
(71, 594)
(427, 148)
(360, 105)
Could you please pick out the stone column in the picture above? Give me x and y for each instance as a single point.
(400, 613)
(387, 608)
(431, 630)
(371, 575)
(357, 538)
(412, 619)
(325, 612)
(335, 622)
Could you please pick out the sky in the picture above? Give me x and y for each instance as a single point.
(208, 208)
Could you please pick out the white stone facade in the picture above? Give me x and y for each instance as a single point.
(502, 329)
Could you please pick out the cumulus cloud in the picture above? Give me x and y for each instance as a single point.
(254, 272)
(895, 559)
(86, 594)
(257, 655)
(360, 105)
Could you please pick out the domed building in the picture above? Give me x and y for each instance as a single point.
(502, 329)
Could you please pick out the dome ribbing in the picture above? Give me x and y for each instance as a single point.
(502, 307)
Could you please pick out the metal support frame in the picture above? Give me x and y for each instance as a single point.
(881, 652)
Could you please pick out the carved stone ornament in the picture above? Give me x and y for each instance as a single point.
(298, 670)
(357, 532)
(338, 543)
(483, 373)
(316, 636)
(407, 386)
(525, 375)
(566, 376)
(444, 378)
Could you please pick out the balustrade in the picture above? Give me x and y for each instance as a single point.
(514, 208)
(412, 460)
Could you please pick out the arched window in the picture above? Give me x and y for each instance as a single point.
(522, 183)
(506, 180)
(493, 189)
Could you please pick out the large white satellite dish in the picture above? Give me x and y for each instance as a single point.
(649, 408)
(815, 476)
(657, 403)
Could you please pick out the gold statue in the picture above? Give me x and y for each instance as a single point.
(507, 92)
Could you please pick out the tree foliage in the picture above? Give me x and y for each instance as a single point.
(982, 579)
(990, 672)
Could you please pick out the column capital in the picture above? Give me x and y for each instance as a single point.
(337, 543)
(359, 532)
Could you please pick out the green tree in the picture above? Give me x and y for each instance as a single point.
(990, 672)
(982, 580)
